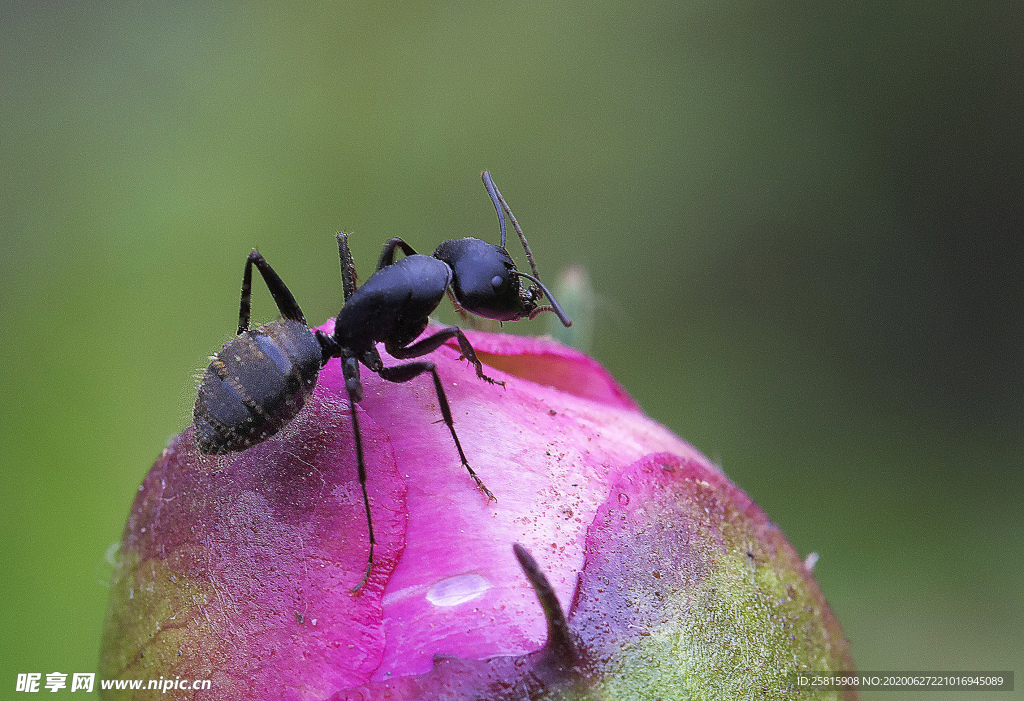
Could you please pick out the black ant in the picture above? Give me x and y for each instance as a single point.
(262, 377)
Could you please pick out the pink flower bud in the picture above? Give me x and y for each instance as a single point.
(239, 568)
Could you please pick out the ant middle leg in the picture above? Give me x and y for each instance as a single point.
(286, 303)
(406, 372)
(435, 341)
(348, 267)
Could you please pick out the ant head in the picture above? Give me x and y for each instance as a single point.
(485, 280)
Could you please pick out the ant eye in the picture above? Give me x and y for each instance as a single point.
(497, 281)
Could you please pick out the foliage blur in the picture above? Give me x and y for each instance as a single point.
(802, 224)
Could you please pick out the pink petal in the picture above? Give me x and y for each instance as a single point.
(547, 456)
(240, 568)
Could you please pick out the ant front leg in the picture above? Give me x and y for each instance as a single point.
(387, 256)
(406, 372)
(463, 314)
(435, 341)
(282, 296)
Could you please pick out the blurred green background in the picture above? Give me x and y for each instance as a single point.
(803, 223)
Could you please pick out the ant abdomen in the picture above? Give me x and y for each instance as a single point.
(257, 383)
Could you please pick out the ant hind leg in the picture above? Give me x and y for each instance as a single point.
(350, 370)
(286, 303)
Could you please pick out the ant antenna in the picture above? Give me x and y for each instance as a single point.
(499, 205)
(496, 197)
(497, 200)
(555, 306)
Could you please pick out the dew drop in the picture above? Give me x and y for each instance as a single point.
(458, 590)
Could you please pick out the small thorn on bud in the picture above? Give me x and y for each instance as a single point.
(560, 655)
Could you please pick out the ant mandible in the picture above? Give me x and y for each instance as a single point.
(262, 377)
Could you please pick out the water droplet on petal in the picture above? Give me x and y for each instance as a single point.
(458, 590)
